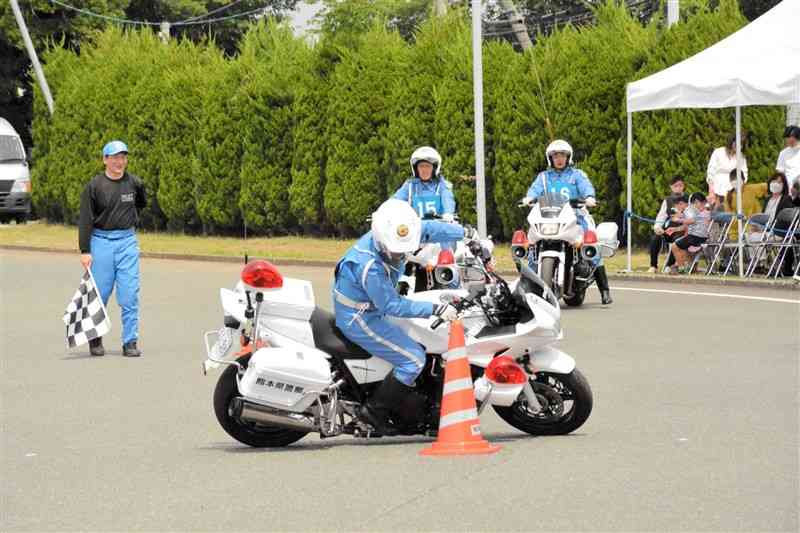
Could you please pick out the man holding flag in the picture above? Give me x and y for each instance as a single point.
(110, 206)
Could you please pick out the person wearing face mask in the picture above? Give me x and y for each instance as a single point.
(364, 293)
(777, 200)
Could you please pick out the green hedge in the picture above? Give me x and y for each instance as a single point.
(288, 136)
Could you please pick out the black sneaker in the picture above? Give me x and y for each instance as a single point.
(129, 349)
(96, 347)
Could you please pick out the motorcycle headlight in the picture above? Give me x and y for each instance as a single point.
(549, 228)
(21, 186)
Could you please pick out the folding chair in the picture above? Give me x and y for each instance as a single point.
(759, 220)
(789, 238)
(717, 242)
(758, 248)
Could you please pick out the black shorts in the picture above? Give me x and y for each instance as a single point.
(689, 240)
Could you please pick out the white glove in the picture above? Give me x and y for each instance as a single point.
(445, 312)
(448, 217)
(591, 202)
(527, 201)
(471, 234)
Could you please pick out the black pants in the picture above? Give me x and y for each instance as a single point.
(655, 248)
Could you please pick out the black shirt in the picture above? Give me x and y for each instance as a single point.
(109, 204)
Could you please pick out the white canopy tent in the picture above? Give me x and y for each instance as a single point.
(757, 65)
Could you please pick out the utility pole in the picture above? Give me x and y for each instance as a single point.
(673, 12)
(37, 67)
(477, 89)
(164, 33)
(439, 8)
(517, 24)
(793, 115)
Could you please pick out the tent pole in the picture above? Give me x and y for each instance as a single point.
(739, 187)
(630, 186)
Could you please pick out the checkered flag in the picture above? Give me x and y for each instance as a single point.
(86, 317)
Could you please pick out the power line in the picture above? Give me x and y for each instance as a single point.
(204, 15)
(188, 22)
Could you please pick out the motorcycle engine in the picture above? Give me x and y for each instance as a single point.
(582, 270)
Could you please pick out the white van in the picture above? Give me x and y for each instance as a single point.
(15, 177)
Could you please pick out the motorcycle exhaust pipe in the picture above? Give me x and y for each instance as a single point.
(250, 412)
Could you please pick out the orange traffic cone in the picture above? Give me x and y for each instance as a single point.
(459, 427)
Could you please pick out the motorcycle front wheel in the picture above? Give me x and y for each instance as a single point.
(550, 275)
(566, 401)
(576, 299)
(256, 435)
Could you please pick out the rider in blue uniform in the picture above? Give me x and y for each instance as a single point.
(562, 178)
(428, 192)
(365, 292)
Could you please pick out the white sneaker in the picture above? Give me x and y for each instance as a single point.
(651, 270)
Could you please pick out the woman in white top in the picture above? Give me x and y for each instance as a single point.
(720, 165)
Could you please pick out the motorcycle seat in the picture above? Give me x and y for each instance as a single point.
(328, 338)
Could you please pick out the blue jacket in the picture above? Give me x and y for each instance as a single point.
(363, 277)
(435, 195)
(571, 183)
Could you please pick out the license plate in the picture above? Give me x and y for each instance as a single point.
(223, 344)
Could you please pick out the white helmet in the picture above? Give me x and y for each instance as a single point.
(426, 153)
(559, 145)
(396, 229)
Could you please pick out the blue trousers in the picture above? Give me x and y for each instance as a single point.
(382, 339)
(115, 261)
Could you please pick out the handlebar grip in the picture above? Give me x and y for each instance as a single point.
(437, 323)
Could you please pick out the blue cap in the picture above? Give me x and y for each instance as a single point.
(114, 147)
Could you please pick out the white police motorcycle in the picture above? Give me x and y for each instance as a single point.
(559, 250)
(295, 373)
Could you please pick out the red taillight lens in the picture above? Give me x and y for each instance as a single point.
(445, 258)
(589, 237)
(519, 238)
(504, 370)
(262, 275)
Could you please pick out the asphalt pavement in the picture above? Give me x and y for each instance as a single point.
(694, 428)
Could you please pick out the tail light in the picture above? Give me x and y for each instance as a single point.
(445, 258)
(262, 275)
(589, 237)
(506, 371)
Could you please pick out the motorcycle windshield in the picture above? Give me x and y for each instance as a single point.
(551, 204)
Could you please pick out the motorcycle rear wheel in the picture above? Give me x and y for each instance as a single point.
(255, 435)
(566, 399)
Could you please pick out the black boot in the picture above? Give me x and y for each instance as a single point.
(96, 347)
(378, 408)
(602, 284)
(129, 349)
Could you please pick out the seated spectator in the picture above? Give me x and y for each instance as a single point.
(696, 224)
(664, 221)
(778, 200)
(795, 194)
